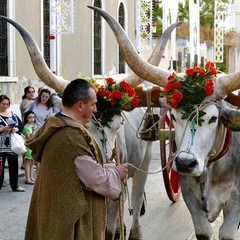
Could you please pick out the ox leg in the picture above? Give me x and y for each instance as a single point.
(231, 215)
(192, 197)
(112, 215)
(138, 183)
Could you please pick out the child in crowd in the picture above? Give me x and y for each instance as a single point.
(28, 131)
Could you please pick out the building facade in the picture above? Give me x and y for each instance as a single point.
(90, 49)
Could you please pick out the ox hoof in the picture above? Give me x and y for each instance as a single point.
(108, 235)
(111, 236)
(135, 235)
(203, 237)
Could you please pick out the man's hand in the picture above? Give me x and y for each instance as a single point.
(123, 170)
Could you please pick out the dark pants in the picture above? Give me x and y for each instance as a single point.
(12, 168)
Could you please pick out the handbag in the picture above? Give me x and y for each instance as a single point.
(17, 144)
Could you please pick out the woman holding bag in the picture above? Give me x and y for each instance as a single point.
(9, 123)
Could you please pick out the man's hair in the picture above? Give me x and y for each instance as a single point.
(76, 90)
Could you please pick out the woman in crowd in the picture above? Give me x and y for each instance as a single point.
(42, 107)
(27, 99)
(9, 123)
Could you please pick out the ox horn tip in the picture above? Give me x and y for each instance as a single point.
(92, 7)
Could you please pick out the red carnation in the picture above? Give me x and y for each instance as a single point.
(176, 99)
(209, 87)
(117, 94)
(201, 72)
(135, 102)
(101, 94)
(190, 71)
(209, 65)
(107, 94)
(130, 91)
(171, 77)
(169, 87)
(213, 71)
(177, 85)
(110, 81)
(124, 85)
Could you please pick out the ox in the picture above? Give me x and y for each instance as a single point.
(137, 152)
(208, 187)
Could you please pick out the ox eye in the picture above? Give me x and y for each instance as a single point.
(213, 119)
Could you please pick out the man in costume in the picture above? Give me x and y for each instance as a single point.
(69, 196)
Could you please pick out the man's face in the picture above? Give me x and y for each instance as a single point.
(89, 108)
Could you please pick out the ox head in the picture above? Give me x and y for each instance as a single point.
(104, 135)
(195, 142)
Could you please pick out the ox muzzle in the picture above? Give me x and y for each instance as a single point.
(185, 162)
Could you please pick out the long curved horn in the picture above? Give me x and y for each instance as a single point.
(156, 55)
(139, 66)
(229, 83)
(39, 64)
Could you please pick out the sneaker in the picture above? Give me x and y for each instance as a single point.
(19, 189)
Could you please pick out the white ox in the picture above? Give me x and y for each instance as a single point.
(208, 188)
(132, 149)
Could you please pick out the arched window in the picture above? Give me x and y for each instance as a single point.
(46, 32)
(3, 40)
(121, 20)
(97, 46)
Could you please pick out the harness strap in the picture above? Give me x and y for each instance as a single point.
(227, 143)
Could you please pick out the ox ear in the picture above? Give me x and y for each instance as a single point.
(233, 99)
(230, 116)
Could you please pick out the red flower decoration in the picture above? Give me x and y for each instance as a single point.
(209, 87)
(117, 94)
(209, 65)
(169, 87)
(110, 81)
(176, 98)
(135, 102)
(113, 98)
(172, 76)
(190, 71)
(191, 89)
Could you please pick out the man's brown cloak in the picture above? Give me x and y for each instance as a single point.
(60, 208)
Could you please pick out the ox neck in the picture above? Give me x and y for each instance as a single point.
(203, 182)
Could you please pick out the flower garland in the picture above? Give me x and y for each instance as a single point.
(184, 92)
(112, 98)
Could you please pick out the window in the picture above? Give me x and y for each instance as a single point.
(3, 40)
(121, 20)
(46, 32)
(97, 41)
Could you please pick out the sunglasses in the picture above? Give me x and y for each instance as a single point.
(31, 91)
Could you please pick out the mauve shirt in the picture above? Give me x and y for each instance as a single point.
(104, 180)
